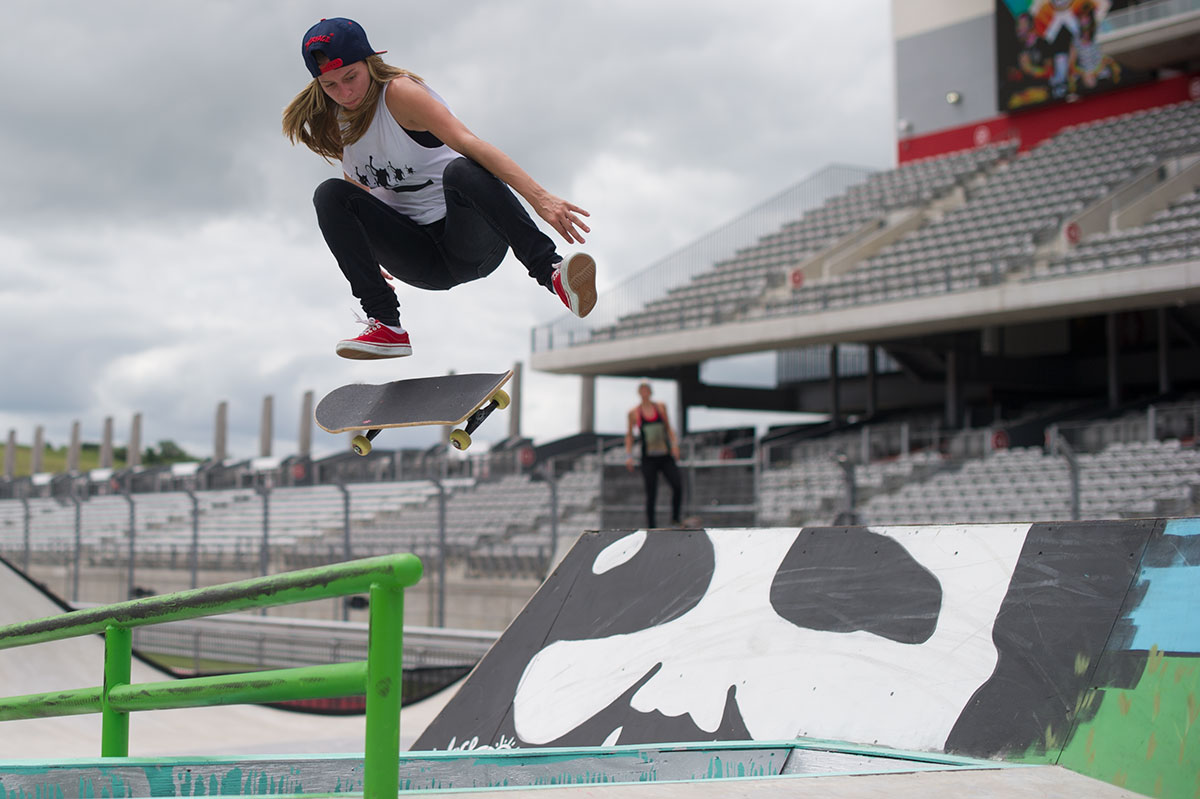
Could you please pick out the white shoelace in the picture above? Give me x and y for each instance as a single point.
(371, 322)
(374, 324)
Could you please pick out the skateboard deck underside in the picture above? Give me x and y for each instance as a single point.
(443, 400)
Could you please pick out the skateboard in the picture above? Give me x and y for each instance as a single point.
(446, 400)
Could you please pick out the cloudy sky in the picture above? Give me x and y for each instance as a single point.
(158, 246)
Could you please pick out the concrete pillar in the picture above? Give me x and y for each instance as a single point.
(872, 382)
(73, 450)
(221, 431)
(683, 401)
(266, 427)
(306, 424)
(37, 456)
(133, 455)
(1164, 352)
(106, 444)
(835, 389)
(687, 382)
(10, 455)
(514, 409)
(587, 404)
(952, 385)
(1114, 354)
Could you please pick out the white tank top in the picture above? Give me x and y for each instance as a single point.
(398, 170)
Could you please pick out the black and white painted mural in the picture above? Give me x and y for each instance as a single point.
(952, 638)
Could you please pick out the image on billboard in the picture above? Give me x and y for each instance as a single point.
(1047, 52)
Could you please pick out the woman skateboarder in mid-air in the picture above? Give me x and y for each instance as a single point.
(429, 201)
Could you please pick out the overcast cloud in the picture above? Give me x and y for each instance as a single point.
(157, 241)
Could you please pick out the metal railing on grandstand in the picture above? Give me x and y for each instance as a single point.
(1145, 12)
(492, 534)
(655, 280)
(719, 480)
(1144, 463)
(110, 547)
(1175, 420)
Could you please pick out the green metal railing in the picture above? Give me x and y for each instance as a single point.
(379, 676)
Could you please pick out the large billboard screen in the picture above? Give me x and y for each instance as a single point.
(1047, 52)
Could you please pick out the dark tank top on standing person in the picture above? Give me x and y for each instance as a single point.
(654, 434)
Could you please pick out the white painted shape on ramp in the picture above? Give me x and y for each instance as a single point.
(618, 552)
(791, 680)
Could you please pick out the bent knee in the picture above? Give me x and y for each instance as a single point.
(462, 170)
(332, 191)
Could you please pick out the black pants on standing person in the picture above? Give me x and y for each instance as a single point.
(652, 467)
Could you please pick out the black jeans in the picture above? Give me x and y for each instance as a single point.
(483, 220)
(652, 466)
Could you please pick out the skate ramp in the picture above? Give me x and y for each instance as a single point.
(1051, 643)
(781, 768)
(79, 662)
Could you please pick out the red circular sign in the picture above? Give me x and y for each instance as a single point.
(1073, 233)
(797, 278)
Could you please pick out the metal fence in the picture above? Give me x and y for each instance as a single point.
(505, 525)
(1179, 420)
(1145, 12)
(1140, 464)
(110, 547)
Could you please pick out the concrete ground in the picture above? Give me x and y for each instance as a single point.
(1034, 782)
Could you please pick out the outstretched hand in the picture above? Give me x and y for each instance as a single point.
(565, 218)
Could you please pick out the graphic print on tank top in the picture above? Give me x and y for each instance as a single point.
(388, 177)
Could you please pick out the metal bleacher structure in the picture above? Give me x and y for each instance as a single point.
(746, 283)
(1170, 235)
(942, 225)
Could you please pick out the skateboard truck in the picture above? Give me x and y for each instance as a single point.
(459, 437)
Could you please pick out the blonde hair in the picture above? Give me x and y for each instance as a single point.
(321, 125)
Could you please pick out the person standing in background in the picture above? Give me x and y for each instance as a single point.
(660, 449)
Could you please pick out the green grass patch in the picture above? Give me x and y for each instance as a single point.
(54, 461)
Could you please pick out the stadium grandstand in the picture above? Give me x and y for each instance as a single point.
(996, 346)
(1004, 326)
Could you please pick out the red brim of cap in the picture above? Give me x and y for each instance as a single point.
(338, 63)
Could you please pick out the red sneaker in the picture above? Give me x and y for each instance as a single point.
(377, 341)
(575, 283)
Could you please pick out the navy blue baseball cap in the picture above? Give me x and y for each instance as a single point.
(341, 40)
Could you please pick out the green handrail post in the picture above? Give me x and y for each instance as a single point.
(385, 675)
(381, 676)
(114, 725)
